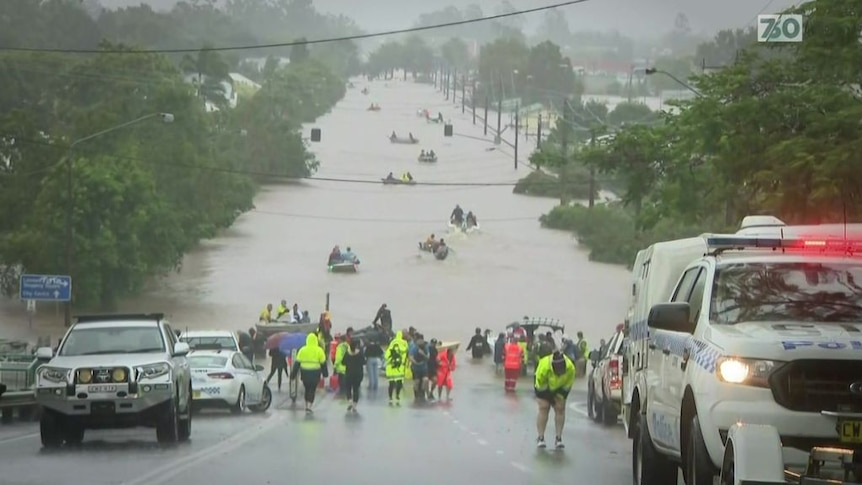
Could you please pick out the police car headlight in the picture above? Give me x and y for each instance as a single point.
(749, 372)
(153, 371)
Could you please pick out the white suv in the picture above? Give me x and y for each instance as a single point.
(760, 331)
(115, 371)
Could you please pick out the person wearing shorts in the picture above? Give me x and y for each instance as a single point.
(419, 365)
(555, 375)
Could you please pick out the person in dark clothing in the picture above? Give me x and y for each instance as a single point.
(432, 368)
(384, 317)
(499, 345)
(457, 216)
(246, 346)
(354, 363)
(278, 365)
(478, 344)
(373, 363)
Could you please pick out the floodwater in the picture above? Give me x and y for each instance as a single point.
(511, 268)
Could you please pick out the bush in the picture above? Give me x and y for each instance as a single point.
(543, 184)
(610, 233)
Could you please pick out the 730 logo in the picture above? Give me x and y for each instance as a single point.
(779, 28)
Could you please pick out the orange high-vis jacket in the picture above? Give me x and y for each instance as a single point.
(512, 355)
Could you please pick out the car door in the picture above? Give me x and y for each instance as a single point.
(675, 372)
(250, 380)
(663, 422)
(180, 365)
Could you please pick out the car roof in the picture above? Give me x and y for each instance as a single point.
(117, 323)
(208, 333)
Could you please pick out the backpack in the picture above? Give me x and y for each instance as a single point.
(395, 357)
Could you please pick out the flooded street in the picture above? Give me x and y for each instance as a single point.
(510, 269)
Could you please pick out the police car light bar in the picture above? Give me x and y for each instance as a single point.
(820, 245)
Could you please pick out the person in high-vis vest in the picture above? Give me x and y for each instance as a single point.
(554, 378)
(310, 365)
(513, 357)
(338, 363)
(396, 366)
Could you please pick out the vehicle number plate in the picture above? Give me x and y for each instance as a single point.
(102, 389)
(196, 394)
(850, 431)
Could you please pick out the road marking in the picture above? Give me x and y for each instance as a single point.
(18, 438)
(482, 442)
(520, 467)
(580, 408)
(163, 474)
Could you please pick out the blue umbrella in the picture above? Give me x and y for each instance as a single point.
(291, 342)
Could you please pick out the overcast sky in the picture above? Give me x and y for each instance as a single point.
(635, 17)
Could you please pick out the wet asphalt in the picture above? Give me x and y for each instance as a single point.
(482, 436)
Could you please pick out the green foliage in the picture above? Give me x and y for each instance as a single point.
(414, 55)
(508, 68)
(574, 184)
(143, 194)
(775, 133)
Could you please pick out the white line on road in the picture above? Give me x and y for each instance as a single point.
(580, 408)
(13, 439)
(520, 467)
(163, 474)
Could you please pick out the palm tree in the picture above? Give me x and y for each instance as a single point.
(210, 71)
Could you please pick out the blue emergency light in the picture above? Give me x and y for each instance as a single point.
(817, 245)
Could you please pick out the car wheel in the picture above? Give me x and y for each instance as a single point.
(265, 401)
(185, 424)
(649, 467)
(699, 469)
(51, 429)
(609, 412)
(239, 406)
(167, 429)
(591, 410)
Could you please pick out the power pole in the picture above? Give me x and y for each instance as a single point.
(592, 173)
(463, 93)
(539, 133)
(485, 119)
(446, 89)
(564, 143)
(454, 87)
(473, 100)
(517, 113)
(499, 113)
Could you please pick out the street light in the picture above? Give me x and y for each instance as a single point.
(70, 205)
(651, 70)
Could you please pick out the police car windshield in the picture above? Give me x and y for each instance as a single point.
(795, 292)
(117, 340)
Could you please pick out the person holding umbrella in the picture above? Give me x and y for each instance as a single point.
(309, 366)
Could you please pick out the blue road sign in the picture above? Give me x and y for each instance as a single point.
(42, 287)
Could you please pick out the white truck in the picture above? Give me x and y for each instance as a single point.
(748, 339)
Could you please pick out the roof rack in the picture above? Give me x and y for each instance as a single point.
(113, 317)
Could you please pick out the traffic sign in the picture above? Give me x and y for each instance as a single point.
(779, 28)
(40, 287)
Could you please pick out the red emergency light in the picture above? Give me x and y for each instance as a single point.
(819, 244)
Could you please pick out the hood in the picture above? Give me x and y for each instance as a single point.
(115, 360)
(399, 335)
(311, 340)
(788, 340)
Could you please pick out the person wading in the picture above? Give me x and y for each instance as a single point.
(310, 366)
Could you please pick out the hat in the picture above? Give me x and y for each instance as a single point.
(558, 363)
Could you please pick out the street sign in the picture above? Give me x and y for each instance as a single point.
(40, 287)
(779, 28)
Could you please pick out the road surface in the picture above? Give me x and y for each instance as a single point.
(481, 436)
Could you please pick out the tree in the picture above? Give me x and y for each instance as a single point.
(498, 62)
(555, 27)
(547, 72)
(724, 49)
(299, 52)
(416, 56)
(456, 53)
(211, 74)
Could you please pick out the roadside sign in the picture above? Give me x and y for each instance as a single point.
(39, 287)
(779, 28)
(31, 306)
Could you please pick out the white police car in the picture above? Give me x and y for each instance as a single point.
(226, 379)
(756, 330)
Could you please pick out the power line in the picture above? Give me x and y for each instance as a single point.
(381, 220)
(295, 43)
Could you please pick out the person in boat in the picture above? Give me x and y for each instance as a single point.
(409, 177)
(431, 242)
(393, 136)
(335, 255)
(266, 314)
(348, 256)
(383, 317)
(439, 116)
(471, 219)
(295, 314)
(431, 154)
(391, 176)
(411, 137)
(422, 154)
(404, 177)
(442, 250)
(457, 215)
(283, 309)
